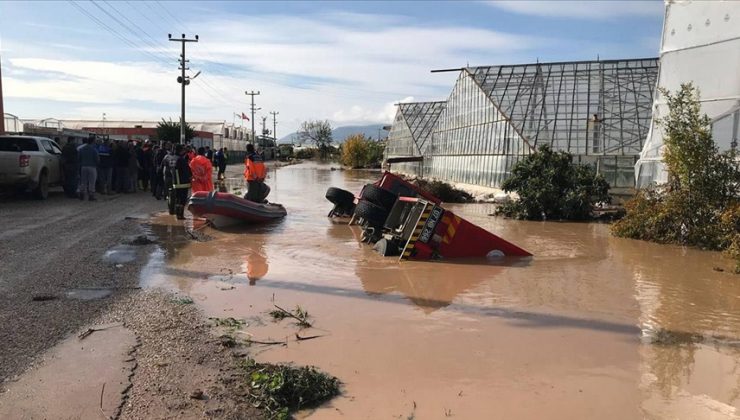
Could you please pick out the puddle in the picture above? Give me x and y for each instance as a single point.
(591, 324)
(120, 254)
(88, 294)
(80, 379)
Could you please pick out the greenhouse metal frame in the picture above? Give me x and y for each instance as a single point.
(599, 111)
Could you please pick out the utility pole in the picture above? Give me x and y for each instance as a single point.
(274, 125)
(264, 126)
(183, 80)
(252, 94)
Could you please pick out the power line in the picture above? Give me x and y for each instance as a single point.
(204, 78)
(133, 6)
(174, 19)
(115, 19)
(113, 31)
(141, 30)
(205, 54)
(217, 95)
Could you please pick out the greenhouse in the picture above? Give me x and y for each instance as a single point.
(599, 111)
(411, 132)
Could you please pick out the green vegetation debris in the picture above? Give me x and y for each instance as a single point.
(183, 300)
(283, 389)
(442, 190)
(668, 337)
(299, 314)
(232, 323)
(227, 340)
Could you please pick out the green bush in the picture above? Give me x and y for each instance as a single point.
(551, 187)
(444, 191)
(700, 204)
(305, 153)
(286, 151)
(376, 150)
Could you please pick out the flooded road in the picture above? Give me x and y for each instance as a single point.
(591, 327)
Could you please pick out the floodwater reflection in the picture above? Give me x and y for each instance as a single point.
(593, 326)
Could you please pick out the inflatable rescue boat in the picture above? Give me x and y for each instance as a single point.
(223, 209)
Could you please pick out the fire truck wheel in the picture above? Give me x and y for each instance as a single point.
(372, 213)
(339, 196)
(379, 196)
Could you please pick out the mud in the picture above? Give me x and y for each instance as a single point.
(591, 327)
(76, 379)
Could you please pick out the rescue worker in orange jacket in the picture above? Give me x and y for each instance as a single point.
(255, 173)
(202, 170)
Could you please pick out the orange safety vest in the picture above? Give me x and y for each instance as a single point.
(254, 168)
(202, 170)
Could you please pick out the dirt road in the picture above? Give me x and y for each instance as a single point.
(48, 250)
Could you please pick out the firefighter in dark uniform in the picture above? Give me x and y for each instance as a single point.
(178, 177)
(70, 168)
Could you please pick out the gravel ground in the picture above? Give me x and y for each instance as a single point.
(47, 247)
(182, 370)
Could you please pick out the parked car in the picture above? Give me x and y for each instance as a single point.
(30, 163)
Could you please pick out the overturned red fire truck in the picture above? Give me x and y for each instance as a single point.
(401, 219)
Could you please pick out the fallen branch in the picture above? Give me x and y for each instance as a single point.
(102, 390)
(83, 335)
(302, 321)
(269, 343)
(310, 337)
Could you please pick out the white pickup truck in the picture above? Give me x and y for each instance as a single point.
(30, 162)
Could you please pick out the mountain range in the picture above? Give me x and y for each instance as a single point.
(341, 133)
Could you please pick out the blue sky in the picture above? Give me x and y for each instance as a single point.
(348, 62)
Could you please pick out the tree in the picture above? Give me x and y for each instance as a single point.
(700, 204)
(355, 151)
(317, 132)
(550, 187)
(170, 131)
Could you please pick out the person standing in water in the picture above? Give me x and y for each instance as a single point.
(255, 174)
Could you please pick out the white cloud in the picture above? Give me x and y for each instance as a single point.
(583, 9)
(332, 67)
(359, 114)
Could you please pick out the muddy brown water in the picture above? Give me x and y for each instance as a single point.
(592, 327)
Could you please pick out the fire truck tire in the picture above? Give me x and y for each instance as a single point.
(372, 213)
(339, 196)
(379, 196)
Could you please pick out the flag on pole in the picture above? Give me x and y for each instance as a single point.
(244, 116)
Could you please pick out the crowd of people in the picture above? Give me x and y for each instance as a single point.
(168, 170)
(105, 167)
